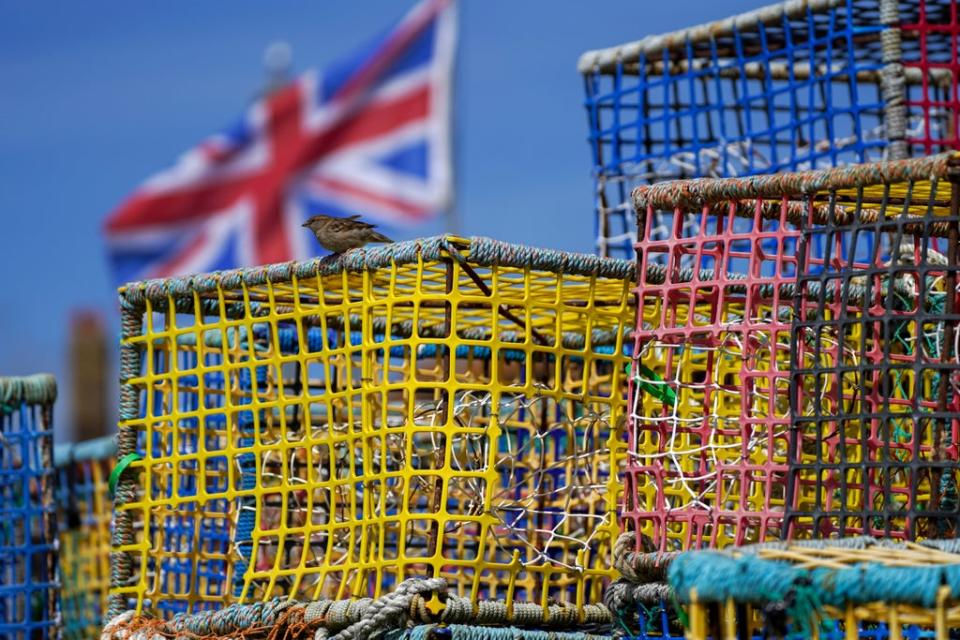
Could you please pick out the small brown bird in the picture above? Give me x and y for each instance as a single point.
(342, 234)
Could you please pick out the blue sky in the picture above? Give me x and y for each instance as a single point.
(98, 95)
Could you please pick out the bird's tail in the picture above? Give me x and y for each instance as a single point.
(376, 236)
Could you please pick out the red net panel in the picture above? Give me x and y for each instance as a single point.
(930, 31)
(710, 397)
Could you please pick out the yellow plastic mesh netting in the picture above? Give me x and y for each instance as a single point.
(83, 515)
(444, 407)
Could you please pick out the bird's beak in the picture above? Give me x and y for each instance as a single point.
(305, 224)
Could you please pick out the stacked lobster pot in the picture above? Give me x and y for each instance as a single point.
(425, 437)
(29, 580)
(799, 85)
(795, 387)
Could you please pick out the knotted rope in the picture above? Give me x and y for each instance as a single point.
(385, 613)
(643, 582)
(361, 619)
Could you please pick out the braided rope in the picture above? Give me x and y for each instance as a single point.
(390, 611)
(121, 562)
(38, 389)
(655, 274)
(622, 596)
(480, 251)
(797, 212)
(893, 81)
(645, 573)
(360, 619)
(742, 575)
(691, 194)
(648, 566)
(607, 59)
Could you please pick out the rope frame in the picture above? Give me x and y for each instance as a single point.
(483, 326)
(783, 261)
(788, 87)
(832, 589)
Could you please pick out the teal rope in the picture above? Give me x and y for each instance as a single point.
(230, 620)
(39, 389)
(481, 251)
(718, 576)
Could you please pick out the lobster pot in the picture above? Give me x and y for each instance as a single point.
(439, 408)
(789, 87)
(29, 586)
(83, 515)
(810, 335)
(710, 404)
(875, 370)
(830, 589)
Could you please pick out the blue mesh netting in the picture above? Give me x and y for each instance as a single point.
(660, 622)
(28, 578)
(81, 598)
(758, 97)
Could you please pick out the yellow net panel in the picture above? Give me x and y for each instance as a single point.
(444, 407)
(83, 515)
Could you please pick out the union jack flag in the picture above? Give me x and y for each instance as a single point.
(369, 136)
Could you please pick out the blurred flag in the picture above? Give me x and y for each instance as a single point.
(370, 136)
